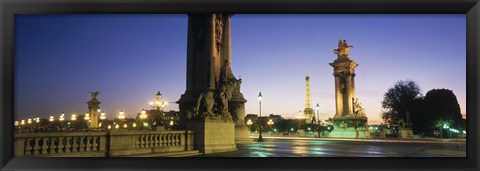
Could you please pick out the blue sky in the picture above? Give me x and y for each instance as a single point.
(59, 59)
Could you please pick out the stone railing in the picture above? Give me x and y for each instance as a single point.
(102, 144)
(150, 142)
(60, 144)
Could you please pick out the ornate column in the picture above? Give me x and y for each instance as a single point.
(338, 96)
(212, 100)
(348, 110)
(93, 107)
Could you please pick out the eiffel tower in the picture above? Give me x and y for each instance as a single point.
(308, 111)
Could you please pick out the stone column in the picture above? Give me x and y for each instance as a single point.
(348, 108)
(93, 106)
(338, 96)
(227, 52)
(214, 70)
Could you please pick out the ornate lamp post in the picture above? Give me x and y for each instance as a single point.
(249, 122)
(121, 117)
(270, 123)
(61, 119)
(73, 118)
(318, 119)
(159, 105)
(87, 119)
(102, 117)
(260, 97)
(143, 116)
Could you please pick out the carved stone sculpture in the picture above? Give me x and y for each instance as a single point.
(343, 48)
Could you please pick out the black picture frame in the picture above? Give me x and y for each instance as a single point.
(8, 8)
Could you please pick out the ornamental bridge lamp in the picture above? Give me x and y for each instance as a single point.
(159, 105)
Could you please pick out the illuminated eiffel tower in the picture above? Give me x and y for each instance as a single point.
(308, 111)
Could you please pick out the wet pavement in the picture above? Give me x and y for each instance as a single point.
(311, 147)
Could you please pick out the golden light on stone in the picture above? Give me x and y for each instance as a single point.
(99, 124)
(22, 122)
(37, 120)
(171, 123)
(109, 127)
(16, 123)
(116, 126)
(134, 125)
(74, 117)
(125, 126)
(29, 121)
(51, 119)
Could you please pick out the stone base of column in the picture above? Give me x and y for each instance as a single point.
(405, 133)
(349, 133)
(344, 127)
(241, 135)
(213, 135)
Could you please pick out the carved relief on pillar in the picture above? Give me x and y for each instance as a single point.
(344, 79)
(219, 28)
(211, 92)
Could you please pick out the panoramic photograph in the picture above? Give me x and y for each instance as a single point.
(240, 85)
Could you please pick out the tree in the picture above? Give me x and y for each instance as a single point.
(442, 107)
(399, 99)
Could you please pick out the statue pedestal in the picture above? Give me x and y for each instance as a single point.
(241, 135)
(213, 135)
(405, 133)
(348, 131)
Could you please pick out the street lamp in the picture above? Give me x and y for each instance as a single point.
(74, 117)
(260, 97)
(103, 116)
(121, 115)
(143, 116)
(318, 123)
(159, 105)
(445, 126)
(249, 122)
(270, 123)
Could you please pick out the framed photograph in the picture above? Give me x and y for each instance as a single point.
(327, 85)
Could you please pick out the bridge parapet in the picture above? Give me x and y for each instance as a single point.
(102, 144)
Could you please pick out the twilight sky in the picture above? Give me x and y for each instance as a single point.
(59, 59)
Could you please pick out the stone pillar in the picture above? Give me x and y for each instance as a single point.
(227, 51)
(338, 96)
(344, 119)
(93, 107)
(348, 105)
(204, 107)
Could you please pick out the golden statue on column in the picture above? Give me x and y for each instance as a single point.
(350, 120)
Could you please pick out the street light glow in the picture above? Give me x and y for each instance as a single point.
(103, 116)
